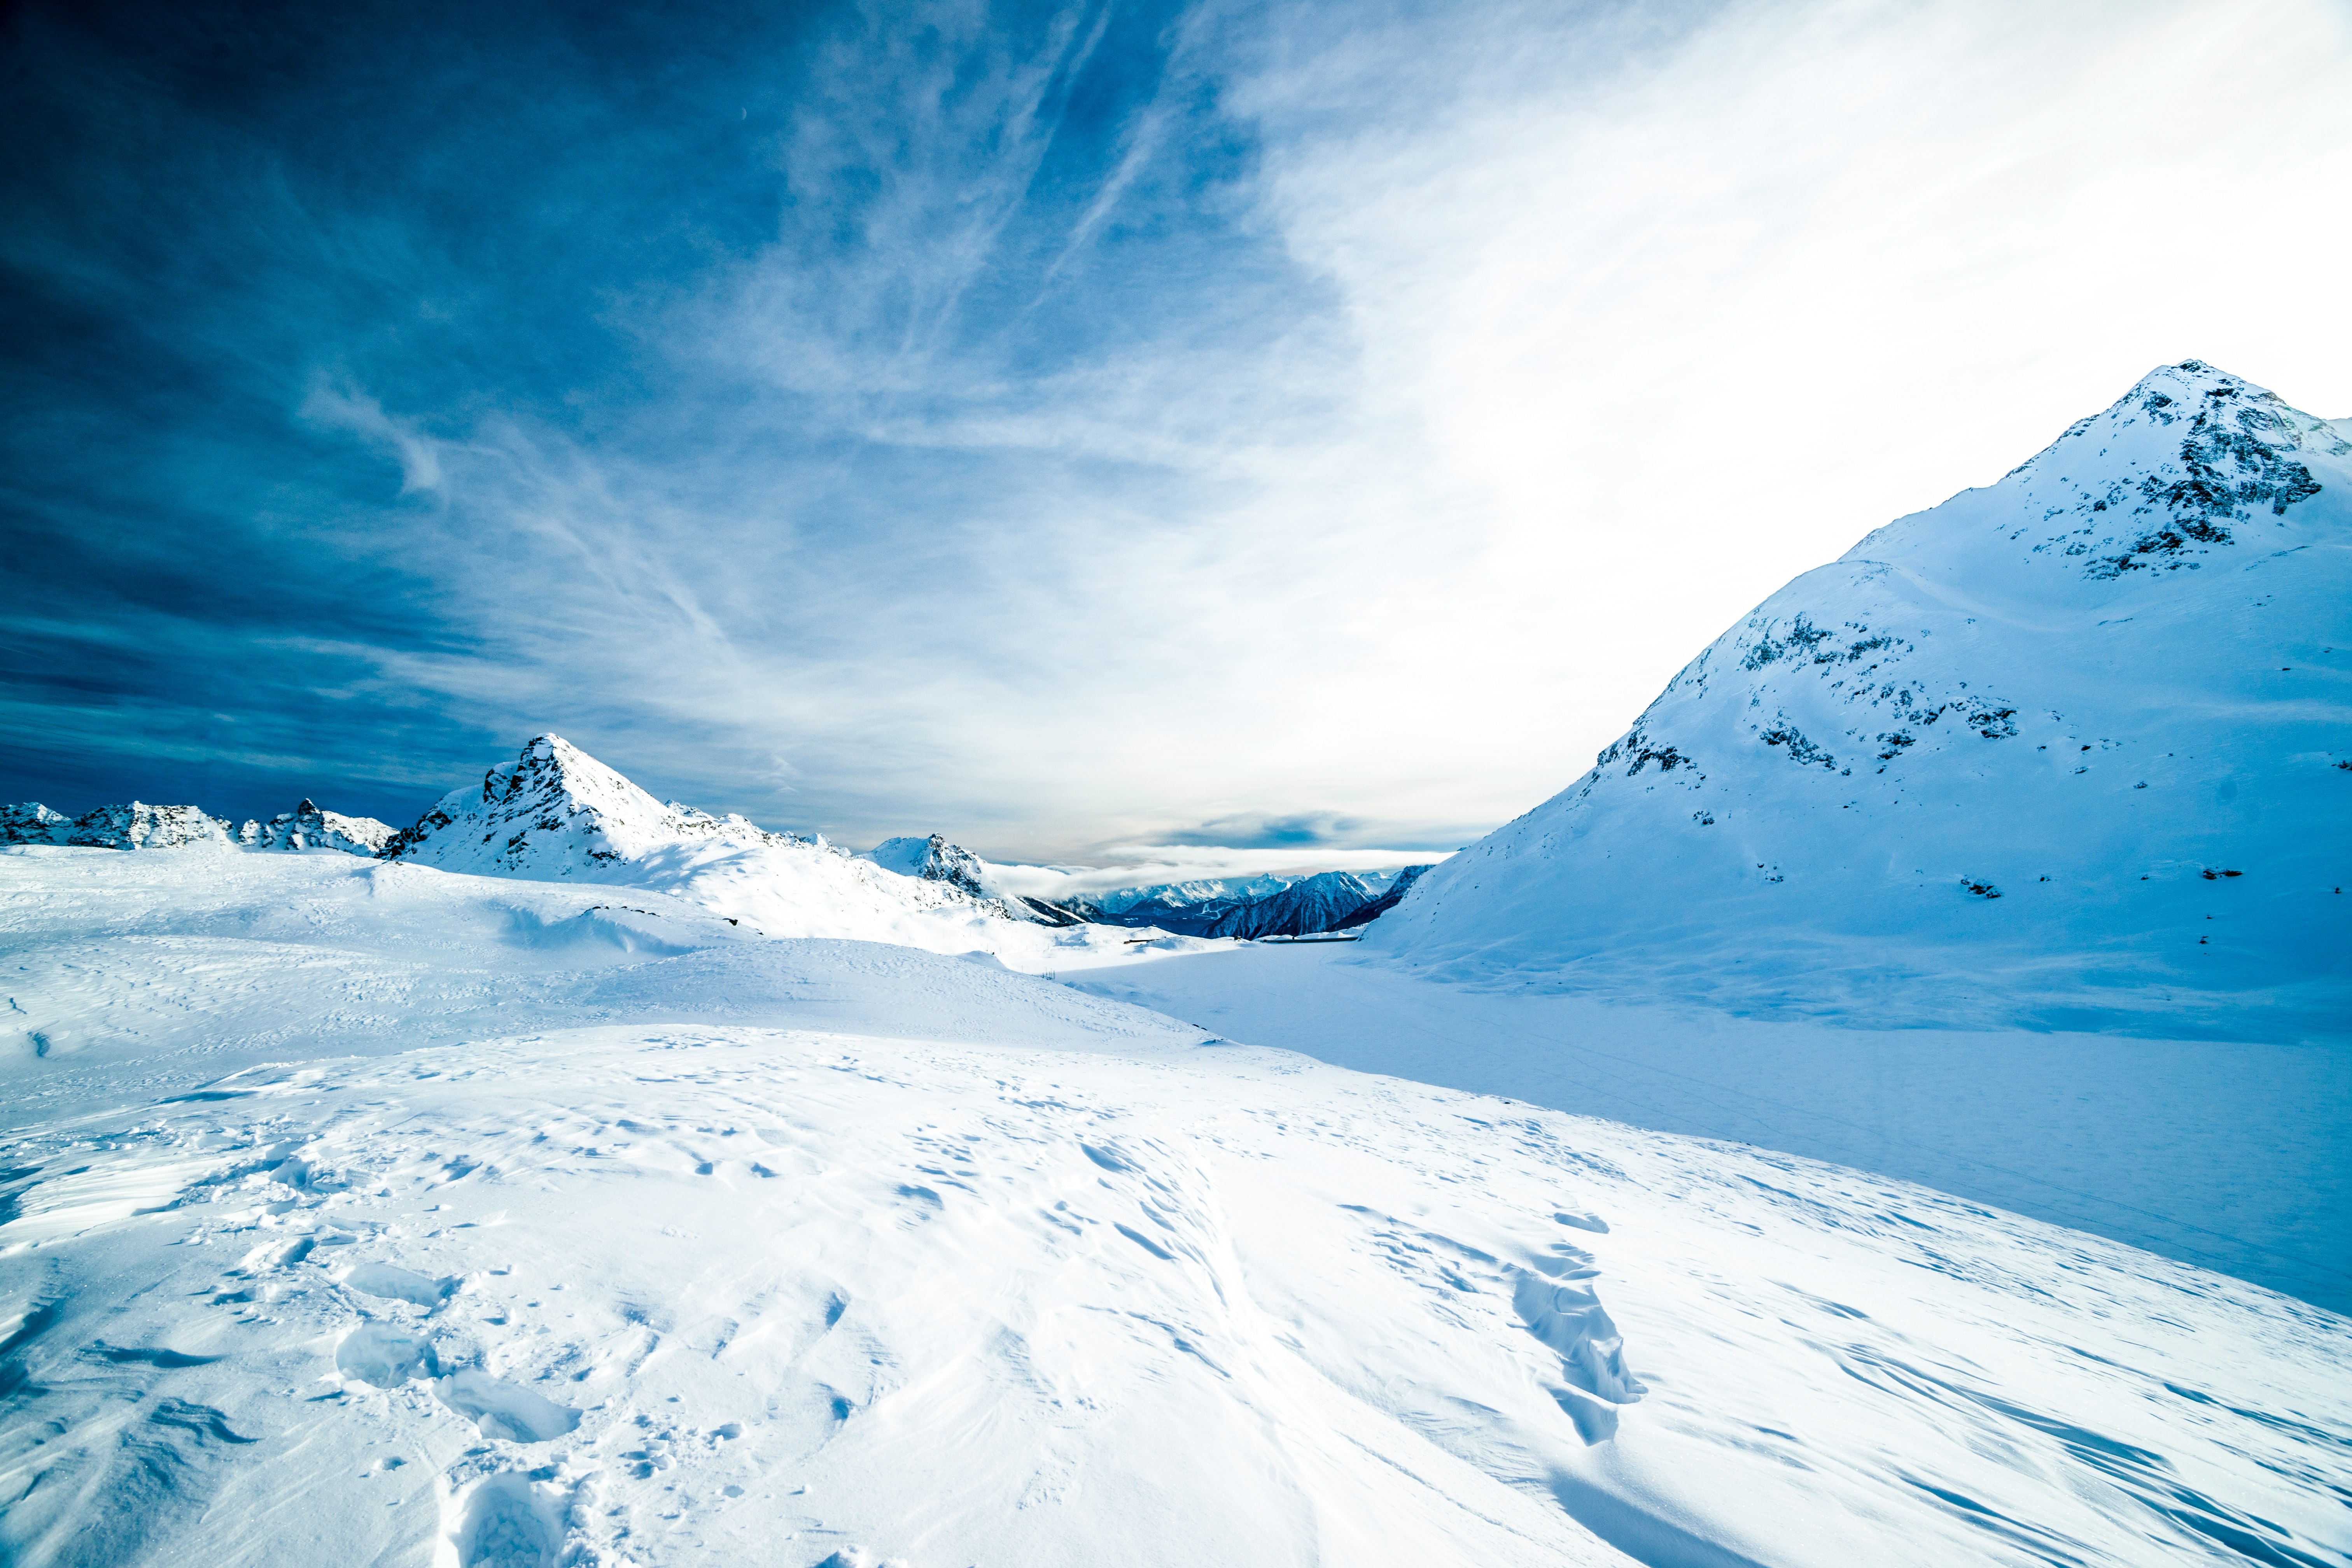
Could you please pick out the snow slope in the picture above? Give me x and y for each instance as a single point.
(556, 813)
(2067, 751)
(368, 1213)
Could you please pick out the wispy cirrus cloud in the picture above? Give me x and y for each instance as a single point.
(1068, 425)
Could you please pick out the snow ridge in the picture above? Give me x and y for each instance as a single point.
(137, 825)
(934, 860)
(308, 827)
(555, 811)
(2067, 751)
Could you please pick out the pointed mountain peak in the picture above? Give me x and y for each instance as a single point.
(2189, 463)
(555, 811)
(308, 827)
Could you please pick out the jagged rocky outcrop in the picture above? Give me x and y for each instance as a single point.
(308, 827)
(1365, 914)
(1998, 762)
(139, 825)
(33, 823)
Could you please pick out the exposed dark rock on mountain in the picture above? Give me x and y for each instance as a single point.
(33, 823)
(1311, 904)
(1366, 913)
(139, 825)
(556, 811)
(934, 860)
(308, 827)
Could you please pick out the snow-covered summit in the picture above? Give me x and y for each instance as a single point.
(2191, 468)
(308, 827)
(137, 825)
(934, 860)
(2062, 749)
(30, 822)
(555, 811)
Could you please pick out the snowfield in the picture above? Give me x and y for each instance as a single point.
(366, 1212)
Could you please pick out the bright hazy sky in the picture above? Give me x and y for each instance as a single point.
(1297, 426)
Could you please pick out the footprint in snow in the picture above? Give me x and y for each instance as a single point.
(387, 1357)
(396, 1284)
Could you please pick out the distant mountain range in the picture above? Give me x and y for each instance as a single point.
(556, 813)
(139, 825)
(1294, 903)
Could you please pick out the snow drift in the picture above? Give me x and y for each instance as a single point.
(2070, 751)
(364, 1212)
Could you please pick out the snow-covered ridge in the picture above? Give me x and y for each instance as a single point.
(934, 860)
(137, 825)
(308, 827)
(2070, 749)
(555, 811)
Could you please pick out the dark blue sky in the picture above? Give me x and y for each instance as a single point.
(328, 329)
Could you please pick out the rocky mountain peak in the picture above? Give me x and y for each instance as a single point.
(555, 811)
(308, 827)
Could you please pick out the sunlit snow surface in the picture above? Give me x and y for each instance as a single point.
(2072, 751)
(376, 1213)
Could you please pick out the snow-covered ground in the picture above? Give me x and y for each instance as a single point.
(2233, 1155)
(371, 1213)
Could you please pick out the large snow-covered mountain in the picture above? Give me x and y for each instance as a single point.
(2072, 750)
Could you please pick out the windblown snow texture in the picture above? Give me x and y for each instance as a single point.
(361, 1212)
(2070, 751)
